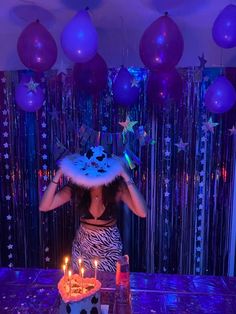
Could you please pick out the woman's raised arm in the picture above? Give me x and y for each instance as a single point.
(51, 199)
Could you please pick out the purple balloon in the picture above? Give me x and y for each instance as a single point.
(91, 76)
(37, 48)
(224, 27)
(28, 100)
(79, 38)
(124, 88)
(161, 45)
(162, 86)
(220, 96)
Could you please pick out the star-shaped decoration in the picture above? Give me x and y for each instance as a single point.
(61, 68)
(44, 135)
(43, 114)
(8, 197)
(5, 123)
(202, 173)
(104, 128)
(43, 125)
(32, 85)
(10, 256)
(167, 139)
(45, 178)
(46, 249)
(232, 131)
(4, 112)
(7, 166)
(209, 126)
(167, 154)
(134, 83)
(5, 145)
(9, 217)
(128, 125)
(54, 114)
(5, 134)
(10, 265)
(7, 176)
(167, 194)
(44, 146)
(6, 156)
(167, 181)
(10, 246)
(45, 157)
(47, 259)
(45, 167)
(3, 79)
(44, 188)
(181, 145)
(202, 60)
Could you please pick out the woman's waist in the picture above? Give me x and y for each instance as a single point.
(97, 224)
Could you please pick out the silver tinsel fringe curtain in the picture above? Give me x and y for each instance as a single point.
(189, 192)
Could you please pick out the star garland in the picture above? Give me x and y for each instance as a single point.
(7, 177)
(44, 178)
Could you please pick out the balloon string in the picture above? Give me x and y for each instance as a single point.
(123, 41)
(221, 61)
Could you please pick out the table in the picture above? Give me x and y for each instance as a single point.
(35, 291)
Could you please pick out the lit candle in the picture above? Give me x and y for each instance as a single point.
(69, 274)
(95, 268)
(80, 262)
(64, 269)
(82, 275)
(66, 260)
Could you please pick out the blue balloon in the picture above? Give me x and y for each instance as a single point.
(125, 89)
(27, 99)
(79, 38)
(224, 27)
(220, 96)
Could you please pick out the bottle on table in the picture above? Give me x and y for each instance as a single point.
(122, 304)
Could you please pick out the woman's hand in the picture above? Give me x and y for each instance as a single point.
(58, 175)
(124, 170)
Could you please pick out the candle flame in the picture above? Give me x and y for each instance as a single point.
(80, 261)
(69, 273)
(96, 263)
(66, 260)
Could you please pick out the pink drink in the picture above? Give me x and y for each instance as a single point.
(122, 303)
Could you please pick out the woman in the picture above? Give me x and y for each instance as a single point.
(98, 236)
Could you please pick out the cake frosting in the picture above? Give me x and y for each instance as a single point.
(79, 295)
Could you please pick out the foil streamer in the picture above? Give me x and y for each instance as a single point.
(189, 192)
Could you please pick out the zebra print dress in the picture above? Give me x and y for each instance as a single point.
(103, 244)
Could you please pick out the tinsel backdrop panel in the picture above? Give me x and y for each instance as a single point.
(189, 192)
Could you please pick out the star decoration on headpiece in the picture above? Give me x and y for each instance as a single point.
(209, 126)
(128, 125)
(181, 145)
(32, 85)
(232, 131)
(202, 60)
(134, 83)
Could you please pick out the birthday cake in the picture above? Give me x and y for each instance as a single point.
(79, 295)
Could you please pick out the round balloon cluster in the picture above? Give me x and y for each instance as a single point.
(161, 48)
(221, 96)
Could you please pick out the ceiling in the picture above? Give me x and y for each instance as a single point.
(120, 24)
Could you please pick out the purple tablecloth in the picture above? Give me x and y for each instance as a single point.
(35, 291)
